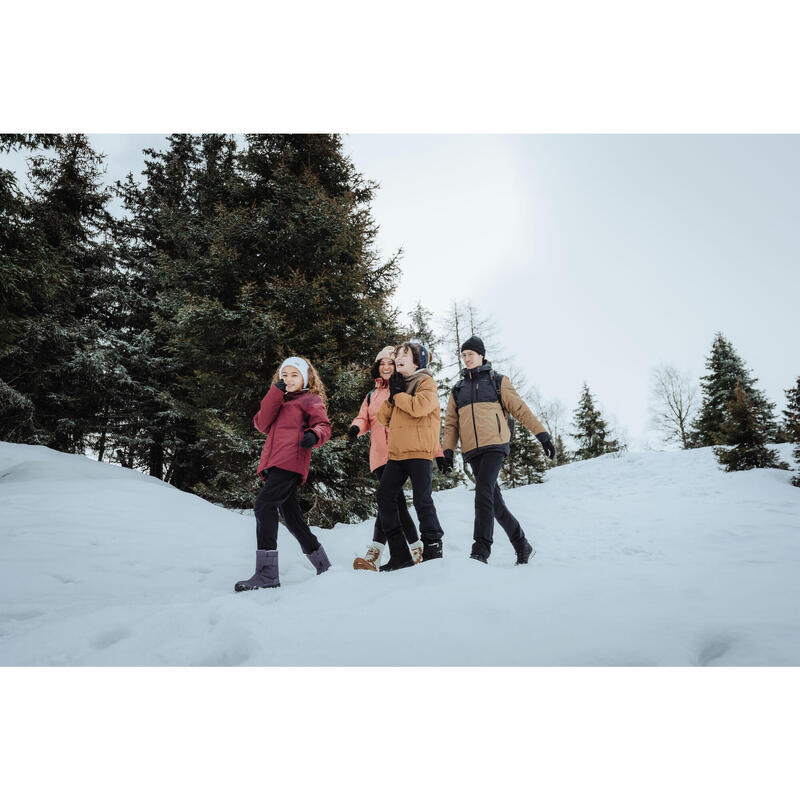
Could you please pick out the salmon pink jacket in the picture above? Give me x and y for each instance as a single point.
(367, 420)
(285, 418)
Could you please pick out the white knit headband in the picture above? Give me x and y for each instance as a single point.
(299, 364)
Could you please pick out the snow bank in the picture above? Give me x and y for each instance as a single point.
(649, 558)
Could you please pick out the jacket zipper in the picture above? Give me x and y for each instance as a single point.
(472, 404)
(499, 431)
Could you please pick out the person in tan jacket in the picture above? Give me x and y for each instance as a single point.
(412, 414)
(478, 414)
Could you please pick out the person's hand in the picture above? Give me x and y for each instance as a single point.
(448, 457)
(281, 384)
(443, 464)
(309, 439)
(352, 434)
(397, 384)
(547, 444)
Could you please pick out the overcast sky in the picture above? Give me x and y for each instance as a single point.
(597, 256)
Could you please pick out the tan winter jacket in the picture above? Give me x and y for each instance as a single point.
(475, 416)
(413, 421)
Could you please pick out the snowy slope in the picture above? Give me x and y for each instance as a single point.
(650, 558)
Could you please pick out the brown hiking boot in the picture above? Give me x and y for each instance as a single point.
(371, 559)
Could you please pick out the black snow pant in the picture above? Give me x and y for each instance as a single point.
(420, 470)
(409, 528)
(489, 505)
(280, 492)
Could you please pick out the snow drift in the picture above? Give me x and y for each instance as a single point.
(644, 559)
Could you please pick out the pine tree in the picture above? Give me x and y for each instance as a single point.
(745, 436)
(791, 424)
(525, 463)
(58, 360)
(563, 456)
(725, 369)
(591, 430)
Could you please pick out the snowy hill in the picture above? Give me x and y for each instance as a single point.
(650, 558)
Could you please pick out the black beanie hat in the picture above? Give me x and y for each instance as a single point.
(476, 344)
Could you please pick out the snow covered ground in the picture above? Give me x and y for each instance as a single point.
(646, 559)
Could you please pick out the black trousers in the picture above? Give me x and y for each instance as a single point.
(490, 506)
(409, 528)
(420, 470)
(280, 492)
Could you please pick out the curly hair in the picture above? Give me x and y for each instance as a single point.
(315, 384)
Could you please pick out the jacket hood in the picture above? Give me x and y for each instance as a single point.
(470, 373)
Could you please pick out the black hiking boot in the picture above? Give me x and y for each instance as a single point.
(431, 550)
(480, 557)
(525, 553)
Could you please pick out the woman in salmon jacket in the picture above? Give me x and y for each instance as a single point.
(293, 416)
(367, 422)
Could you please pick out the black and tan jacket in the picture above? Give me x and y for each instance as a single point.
(475, 415)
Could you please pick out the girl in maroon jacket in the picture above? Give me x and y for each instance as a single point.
(293, 416)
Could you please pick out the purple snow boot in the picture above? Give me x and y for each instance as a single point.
(319, 558)
(266, 574)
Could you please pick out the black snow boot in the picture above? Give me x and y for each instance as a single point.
(431, 549)
(319, 558)
(399, 555)
(525, 552)
(266, 574)
(480, 557)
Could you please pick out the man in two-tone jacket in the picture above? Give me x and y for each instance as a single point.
(477, 415)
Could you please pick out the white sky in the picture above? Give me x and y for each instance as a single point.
(597, 256)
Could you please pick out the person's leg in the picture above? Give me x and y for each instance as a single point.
(278, 486)
(392, 480)
(378, 535)
(485, 468)
(409, 528)
(274, 490)
(296, 522)
(508, 522)
(421, 473)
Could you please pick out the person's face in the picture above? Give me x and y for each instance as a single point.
(404, 362)
(471, 359)
(293, 379)
(386, 368)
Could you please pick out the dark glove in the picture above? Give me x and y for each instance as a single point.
(397, 384)
(443, 465)
(547, 444)
(309, 439)
(352, 434)
(281, 384)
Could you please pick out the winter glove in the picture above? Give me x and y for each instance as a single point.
(281, 384)
(309, 439)
(547, 444)
(397, 384)
(445, 464)
(352, 434)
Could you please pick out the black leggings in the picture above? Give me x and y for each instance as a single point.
(409, 529)
(280, 492)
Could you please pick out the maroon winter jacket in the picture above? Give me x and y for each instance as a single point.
(285, 420)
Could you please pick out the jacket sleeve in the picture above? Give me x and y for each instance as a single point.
(362, 418)
(451, 425)
(270, 406)
(385, 413)
(318, 420)
(515, 405)
(422, 403)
